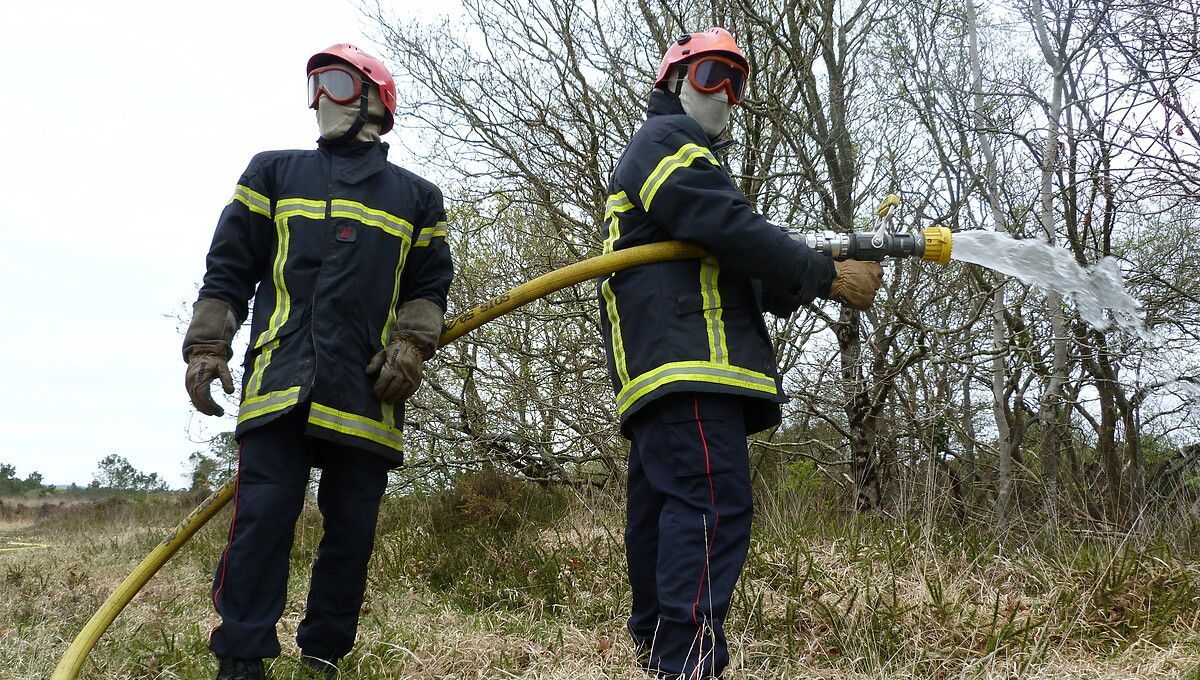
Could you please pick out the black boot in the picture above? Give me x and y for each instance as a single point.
(241, 669)
(324, 668)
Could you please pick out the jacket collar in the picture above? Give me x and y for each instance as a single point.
(354, 162)
(663, 103)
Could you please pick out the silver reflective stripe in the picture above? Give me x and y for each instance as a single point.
(253, 200)
(293, 207)
(267, 403)
(680, 159)
(710, 294)
(617, 204)
(699, 371)
(356, 425)
(614, 320)
(376, 218)
(429, 233)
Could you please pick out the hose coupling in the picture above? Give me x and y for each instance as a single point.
(933, 244)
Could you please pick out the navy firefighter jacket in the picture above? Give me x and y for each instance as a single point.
(695, 325)
(330, 243)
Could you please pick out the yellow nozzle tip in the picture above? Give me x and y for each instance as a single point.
(938, 242)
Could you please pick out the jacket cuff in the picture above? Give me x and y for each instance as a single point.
(213, 325)
(420, 322)
(828, 274)
(815, 277)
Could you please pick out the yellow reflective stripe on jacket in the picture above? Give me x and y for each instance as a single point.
(389, 414)
(254, 384)
(710, 295)
(283, 299)
(614, 320)
(253, 200)
(356, 425)
(613, 207)
(389, 411)
(429, 233)
(680, 159)
(270, 402)
(696, 371)
(391, 317)
(286, 209)
(302, 207)
(616, 204)
(396, 226)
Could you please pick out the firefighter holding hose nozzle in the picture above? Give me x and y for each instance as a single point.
(689, 355)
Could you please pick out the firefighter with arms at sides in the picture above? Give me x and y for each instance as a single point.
(345, 257)
(689, 355)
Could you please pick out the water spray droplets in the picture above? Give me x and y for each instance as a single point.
(1093, 290)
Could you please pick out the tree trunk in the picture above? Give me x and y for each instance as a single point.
(1051, 411)
(863, 465)
(1005, 443)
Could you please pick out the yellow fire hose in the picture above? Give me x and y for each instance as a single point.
(932, 245)
(458, 326)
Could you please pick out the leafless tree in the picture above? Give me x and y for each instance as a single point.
(1054, 119)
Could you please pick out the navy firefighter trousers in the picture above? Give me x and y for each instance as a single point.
(250, 587)
(688, 529)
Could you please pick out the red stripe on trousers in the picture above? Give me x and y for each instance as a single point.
(716, 521)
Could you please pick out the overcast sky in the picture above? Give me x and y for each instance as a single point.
(126, 126)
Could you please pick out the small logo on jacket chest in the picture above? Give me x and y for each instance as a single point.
(346, 233)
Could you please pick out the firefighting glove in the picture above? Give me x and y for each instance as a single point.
(400, 365)
(855, 283)
(204, 365)
(206, 349)
(400, 368)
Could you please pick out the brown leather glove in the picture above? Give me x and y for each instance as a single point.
(206, 350)
(400, 367)
(855, 283)
(204, 365)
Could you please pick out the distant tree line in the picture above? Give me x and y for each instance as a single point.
(11, 485)
(115, 473)
(206, 470)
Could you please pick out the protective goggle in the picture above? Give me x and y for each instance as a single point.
(713, 73)
(339, 83)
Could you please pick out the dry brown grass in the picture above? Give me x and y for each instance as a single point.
(820, 599)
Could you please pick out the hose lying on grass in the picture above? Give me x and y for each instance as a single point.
(455, 328)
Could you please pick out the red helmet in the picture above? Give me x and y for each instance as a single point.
(369, 66)
(689, 45)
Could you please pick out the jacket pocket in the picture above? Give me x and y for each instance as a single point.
(705, 433)
(290, 326)
(693, 303)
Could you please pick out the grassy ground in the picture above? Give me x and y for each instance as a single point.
(497, 580)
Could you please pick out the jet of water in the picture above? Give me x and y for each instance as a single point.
(1093, 290)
